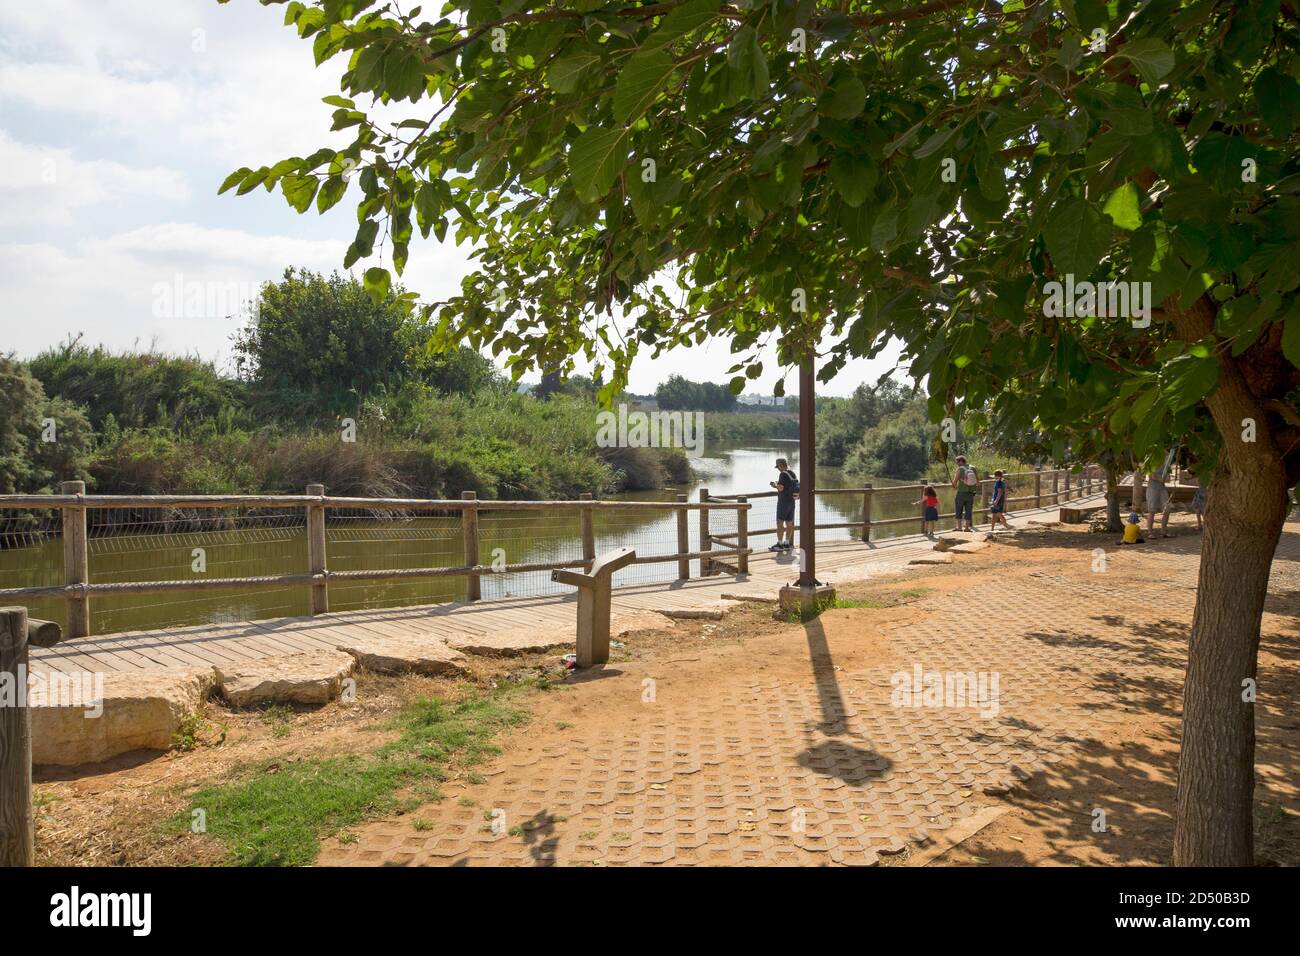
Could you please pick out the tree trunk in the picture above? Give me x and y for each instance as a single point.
(1113, 520)
(1216, 771)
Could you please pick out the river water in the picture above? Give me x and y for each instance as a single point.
(253, 546)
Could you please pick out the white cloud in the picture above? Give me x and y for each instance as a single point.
(110, 288)
(46, 185)
(92, 91)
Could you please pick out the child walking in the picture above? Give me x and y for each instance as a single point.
(998, 502)
(930, 521)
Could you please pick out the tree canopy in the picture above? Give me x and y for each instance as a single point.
(839, 174)
(828, 176)
(324, 338)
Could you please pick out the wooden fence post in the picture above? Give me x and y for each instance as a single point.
(316, 551)
(922, 487)
(1056, 486)
(1038, 486)
(588, 534)
(866, 514)
(16, 821)
(742, 535)
(1067, 484)
(706, 542)
(986, 492)
(469, 529)
(683, 542)
(76, 561)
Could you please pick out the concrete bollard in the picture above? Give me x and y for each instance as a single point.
(593, 603)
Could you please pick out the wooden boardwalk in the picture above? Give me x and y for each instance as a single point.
(550, 617)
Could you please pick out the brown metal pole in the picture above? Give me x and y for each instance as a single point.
(807, 476)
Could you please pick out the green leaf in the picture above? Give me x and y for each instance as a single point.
(1219, 159)
(595, 160)
(640, 83)
(1122, 207)
(364, 243)
(377, 281)
(1278, 98)
(687, 18)
(854, 178)
(844, 100)
(233, 179)
(331, 191)
(745, 58)
(1191, 379)
(1077, 235)
(934, 143)
(1151, 56)
(885, 229)
(299, 191)
(566, 72)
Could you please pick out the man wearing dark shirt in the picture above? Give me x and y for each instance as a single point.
(785, 485)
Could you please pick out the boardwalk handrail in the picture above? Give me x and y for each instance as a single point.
(77, 588)
(1090, 480)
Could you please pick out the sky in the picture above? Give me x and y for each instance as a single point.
(118, 121)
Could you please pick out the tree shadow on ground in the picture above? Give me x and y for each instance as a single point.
(838, 758)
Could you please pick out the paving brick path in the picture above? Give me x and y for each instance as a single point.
(782, 751)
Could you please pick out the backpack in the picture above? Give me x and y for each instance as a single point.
(794, 483)
(968, 477)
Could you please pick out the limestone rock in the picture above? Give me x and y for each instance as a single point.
(932, 559)
(393, 655)
(141, 710)
(950, 539)
(514, 643)
(970, 547)
(313, 677)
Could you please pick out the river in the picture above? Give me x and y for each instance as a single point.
(252, 547)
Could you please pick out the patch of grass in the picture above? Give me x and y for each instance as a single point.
(877, 602)
(191, 730)
(421, 824)
(468, 802)
(278, 717)
(476, 778)
(276, 814)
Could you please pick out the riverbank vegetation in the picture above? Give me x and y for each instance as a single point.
(329, 388)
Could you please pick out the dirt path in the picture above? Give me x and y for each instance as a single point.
(732, 746)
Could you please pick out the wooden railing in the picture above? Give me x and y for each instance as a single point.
(1066, 485)
(77, 589)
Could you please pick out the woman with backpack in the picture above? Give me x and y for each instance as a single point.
(965, 482)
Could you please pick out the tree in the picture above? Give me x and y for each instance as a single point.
(898, 447)
(329, 341)
(845, 175)
(842, 422)
(42, 441)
